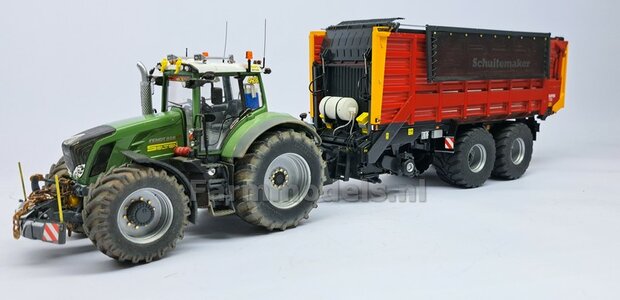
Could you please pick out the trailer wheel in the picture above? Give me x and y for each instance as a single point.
(136, 213)
(279, 181)
(513, 145)
(472, 161)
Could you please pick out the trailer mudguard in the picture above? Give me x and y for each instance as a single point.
(239, 141)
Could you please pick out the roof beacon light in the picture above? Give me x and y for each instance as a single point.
(205, 54)
(248, 56)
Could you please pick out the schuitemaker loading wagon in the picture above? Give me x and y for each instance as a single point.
(386, 98)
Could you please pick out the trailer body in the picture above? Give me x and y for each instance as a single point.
(413, 84)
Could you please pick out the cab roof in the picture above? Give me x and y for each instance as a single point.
(207, 65)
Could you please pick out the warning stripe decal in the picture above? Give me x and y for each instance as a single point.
(449, 143)
(51, 232)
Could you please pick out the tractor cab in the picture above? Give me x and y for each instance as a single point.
(214, 93)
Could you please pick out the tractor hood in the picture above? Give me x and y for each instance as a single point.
(92, 152)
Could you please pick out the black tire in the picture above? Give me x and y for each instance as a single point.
(456, 168)
(251, 202)
(422, 161)
(514, 145)
(101, 213)
(59, 168)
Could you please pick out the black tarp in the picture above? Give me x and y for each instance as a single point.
(477, 54)
(350, 41)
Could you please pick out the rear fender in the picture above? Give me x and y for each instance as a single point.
(239, 142)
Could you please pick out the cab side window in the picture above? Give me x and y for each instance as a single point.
(251, 92)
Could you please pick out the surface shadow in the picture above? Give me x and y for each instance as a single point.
(392, 189)
(64, 257)
(231, 226)
(45, 254)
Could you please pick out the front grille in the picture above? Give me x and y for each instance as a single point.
(75, 156)
(77, 148)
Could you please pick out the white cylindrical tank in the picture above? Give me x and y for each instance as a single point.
(341, 108)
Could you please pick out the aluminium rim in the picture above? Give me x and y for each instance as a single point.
(287, 180)
(517, 151)
(476, 158)
(145, 215)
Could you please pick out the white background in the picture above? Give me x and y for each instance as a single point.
(553, 234)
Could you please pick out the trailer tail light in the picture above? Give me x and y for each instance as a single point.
(437, 133)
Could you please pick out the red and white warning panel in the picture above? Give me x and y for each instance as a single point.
(449, 143)
(50, 232)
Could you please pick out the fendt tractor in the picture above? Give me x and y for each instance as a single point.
(385, 98)
(133, 186)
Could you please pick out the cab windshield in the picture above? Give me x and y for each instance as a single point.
(225, 96)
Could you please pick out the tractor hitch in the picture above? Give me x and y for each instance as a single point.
(51, 232)
(50, 213)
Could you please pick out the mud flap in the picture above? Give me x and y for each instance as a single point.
(50, 232)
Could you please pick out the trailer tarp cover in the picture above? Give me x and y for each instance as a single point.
(476, 54)
(351, 40)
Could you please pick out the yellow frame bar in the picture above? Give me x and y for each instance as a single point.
(380, 36)
(560, 104)
(313, 34)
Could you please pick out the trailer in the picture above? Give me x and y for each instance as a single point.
(389, 98)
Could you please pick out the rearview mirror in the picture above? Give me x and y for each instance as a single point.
(209, 117)
(208, 76)
(194, 83)
(217, 95)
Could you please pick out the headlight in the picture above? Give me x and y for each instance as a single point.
(78, 171)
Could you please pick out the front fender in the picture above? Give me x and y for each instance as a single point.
(242, 137)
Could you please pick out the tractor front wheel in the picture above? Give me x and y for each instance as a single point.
(59, 169)
(136, 213)
(279, 181)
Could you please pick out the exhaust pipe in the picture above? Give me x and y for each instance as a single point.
(145, 91)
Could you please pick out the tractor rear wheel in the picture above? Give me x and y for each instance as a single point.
(472, 161)
(279, 181)
(136, 213)
(514, 145)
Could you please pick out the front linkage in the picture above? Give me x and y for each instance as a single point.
(42, 217)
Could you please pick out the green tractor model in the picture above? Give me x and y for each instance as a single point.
(133, 186)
